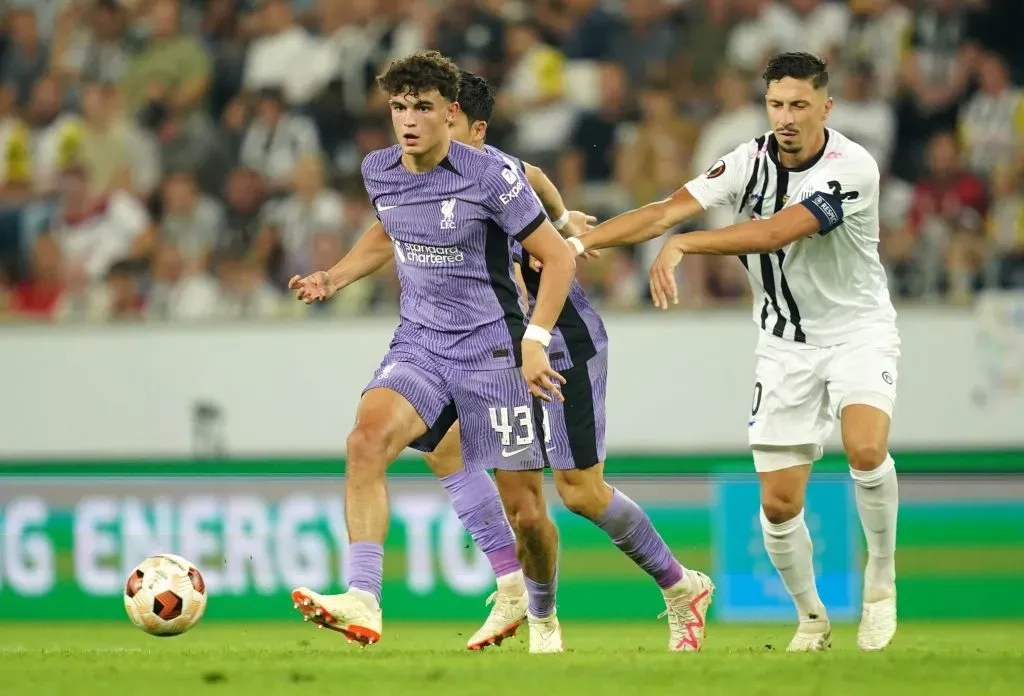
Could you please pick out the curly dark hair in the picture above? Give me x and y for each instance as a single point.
(476, 97)
(800, 66)
(421, 72)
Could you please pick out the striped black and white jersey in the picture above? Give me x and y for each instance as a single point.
(829, 287)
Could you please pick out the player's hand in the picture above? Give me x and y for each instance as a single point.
(580, 222)
(542, 381)
(314, 287)
(663, 276)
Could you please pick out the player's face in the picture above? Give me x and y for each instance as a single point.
(470, 133)
(421, 120)
(797, 112)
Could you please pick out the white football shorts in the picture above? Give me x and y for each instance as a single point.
(800, 390)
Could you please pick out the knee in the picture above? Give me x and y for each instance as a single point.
(781, 505)
(576, 499)
(367, 449)
(528, 515)
(585, 498)
(866, 456)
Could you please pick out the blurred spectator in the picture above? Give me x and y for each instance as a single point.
(277, 139)
(705, 37)
(947, 208)
(349, 36)
(878, 35)
(116, 151)
(15, 150)
(615, 280)
(862, 116)
(191, 143)
(472, 36)
(224, 33)
(95, 231)
(534, 95)
(25, 57)
(243, 123)
(38, 296)
(89, 44)
(357, 214)
(192, 223)
(1005, 228)
(935, 75)
(120, 298)
(285, 56)
(173, 68)
(739, 119)
(807, 25)
(244, 290)
(592, 30)
(655, 155)
(647, 45)
(292, 224)
(57, 136)
(751, 41)
(116, 296)
(991, 125)
(180, 290)
(586, 170)
(244, 196)
(414, 28)
(46, 12)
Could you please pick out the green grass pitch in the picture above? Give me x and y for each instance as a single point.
(38, 659)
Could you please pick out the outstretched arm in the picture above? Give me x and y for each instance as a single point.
(752, 237)
(641, 224)
(370, 253)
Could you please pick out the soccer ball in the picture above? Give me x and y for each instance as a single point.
(165, 595)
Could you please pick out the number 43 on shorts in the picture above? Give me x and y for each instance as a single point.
(520, 424)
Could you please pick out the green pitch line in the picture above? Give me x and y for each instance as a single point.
(620, 463)
(427, 659)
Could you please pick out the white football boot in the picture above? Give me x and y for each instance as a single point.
(877, 620)
(508, 614)
(355, 614)
(813, 635)
(686, 606)
(545, 634)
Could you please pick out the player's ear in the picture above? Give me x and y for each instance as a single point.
(828, 108)
(480, 130)
(453, 110)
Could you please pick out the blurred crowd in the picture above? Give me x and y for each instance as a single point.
(181, 159)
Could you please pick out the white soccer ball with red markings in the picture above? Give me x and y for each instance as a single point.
(165, 595)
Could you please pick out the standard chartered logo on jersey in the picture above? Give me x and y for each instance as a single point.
(244, 543)
(426, 255)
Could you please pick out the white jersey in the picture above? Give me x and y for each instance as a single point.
(827, 288)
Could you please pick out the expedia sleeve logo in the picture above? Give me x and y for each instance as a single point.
(517, 186)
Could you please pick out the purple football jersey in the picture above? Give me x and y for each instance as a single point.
(579, 332)
(453, 229)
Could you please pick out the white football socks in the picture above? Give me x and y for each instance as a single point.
(789, 547)
(878, 504)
